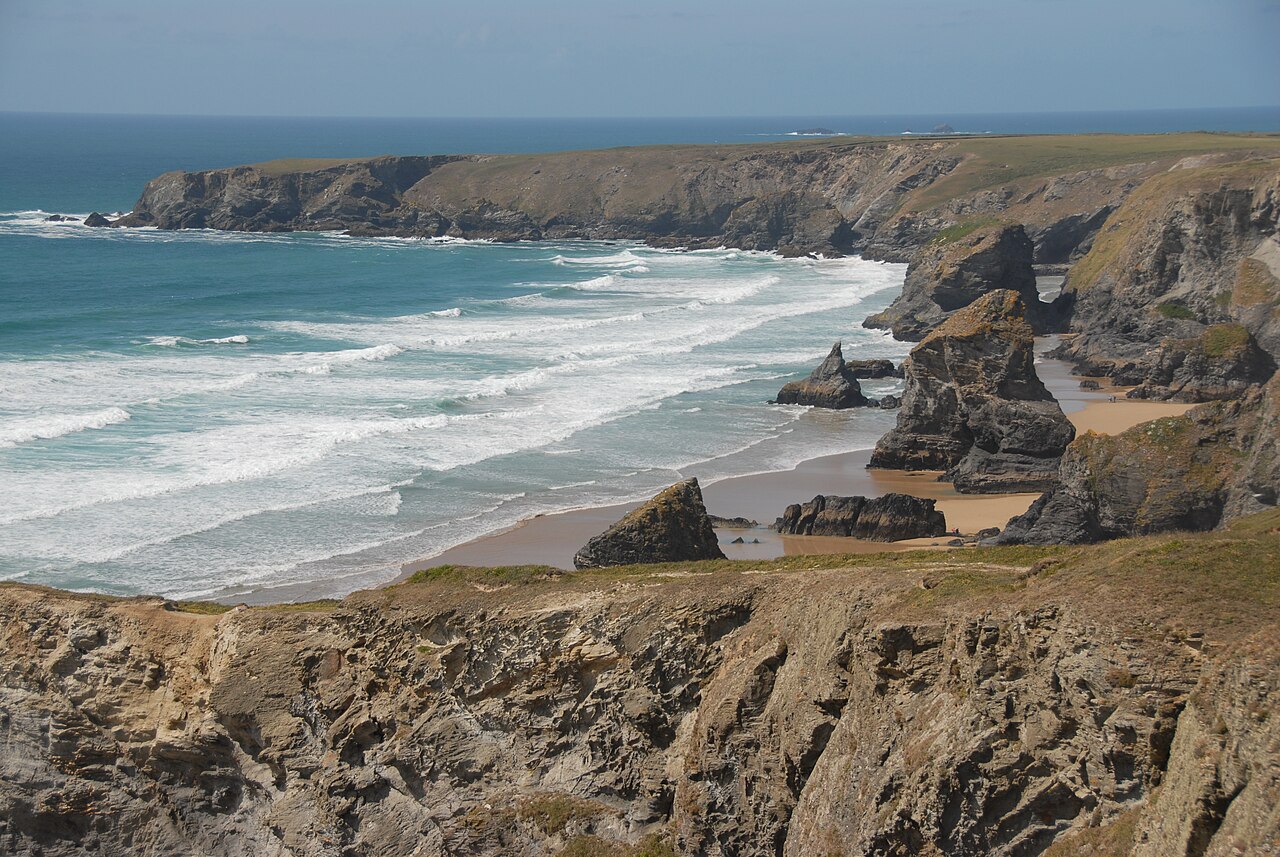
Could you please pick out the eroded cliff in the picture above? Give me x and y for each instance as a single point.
(989, 702)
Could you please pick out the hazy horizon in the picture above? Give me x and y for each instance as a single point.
(503, 59)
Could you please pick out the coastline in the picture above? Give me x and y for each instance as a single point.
(553, 539)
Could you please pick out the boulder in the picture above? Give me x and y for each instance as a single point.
(97, 220)
(948, 274)
(59, 218)
(831, 385)
(890, 402)
(1221, 363)
(1192, 472)
(672, 527)
(974, 407)
(733, 523)
(889, 518)
(875, 368)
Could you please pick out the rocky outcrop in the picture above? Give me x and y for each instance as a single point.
(1214, 463)
(671, 527)
(874, 368)
(889, 518)
(974, 407)
(98, 221)
(1189, 250)
(831, 385)
(1221, 363)
(901, 706)
(956, 269)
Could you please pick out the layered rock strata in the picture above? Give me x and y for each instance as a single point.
(1191, 249)
(908, 705)
(1221, 363)
(888, 518)
(671, 527)
(832, 385)
(974, 407)
(953, 271)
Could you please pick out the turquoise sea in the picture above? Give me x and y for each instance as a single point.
(200, 414)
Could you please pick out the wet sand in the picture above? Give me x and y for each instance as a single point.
(553, 539)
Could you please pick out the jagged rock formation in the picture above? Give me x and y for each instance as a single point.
(889, 518)
(882, 198)
(953, 271)
(1190, 249)
(974, 406)
(875, 368)
(1216, 462)
(671, 527)
(831, 385)
(911, 706)
(97, 220)
(1221, 363)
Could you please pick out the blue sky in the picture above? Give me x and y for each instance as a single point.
(656, 58)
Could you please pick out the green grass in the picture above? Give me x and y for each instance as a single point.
(1175, 310)
(1115, 838)
(996, 161)
(552, 813)
(963, 229)
(497, 576)
(1221, 339)
(203, 608)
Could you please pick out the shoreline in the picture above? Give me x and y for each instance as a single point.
(553, 539)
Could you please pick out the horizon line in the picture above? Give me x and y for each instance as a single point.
(546, 118)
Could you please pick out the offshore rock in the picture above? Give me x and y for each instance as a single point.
(1221, 363)
(97, 220)
(671, 527)
(831, 385)
(948, 274)
(889, 518)
(974, 406)
(1214, 463)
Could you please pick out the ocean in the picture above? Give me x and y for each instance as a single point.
(202, 414)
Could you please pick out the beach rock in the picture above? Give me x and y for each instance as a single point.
(974, 407)
(889, 518)
(732, 523)
(890, 402)
(60, 218)
(988, 532)
(671, 527)
(874, 368)
(1216, 462)
(97, 220)
(738, 541)
(948, 274)
(831, 385)
(1221, 363)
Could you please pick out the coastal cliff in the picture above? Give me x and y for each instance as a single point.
(876, 196)
(1001, 701)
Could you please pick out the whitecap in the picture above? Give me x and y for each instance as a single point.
(19, 431)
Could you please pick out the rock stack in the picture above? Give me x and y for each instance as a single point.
(889, 518)
(974, 406)
(672, 527)
(832, 385)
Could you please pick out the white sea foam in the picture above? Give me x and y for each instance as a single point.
(24, 430)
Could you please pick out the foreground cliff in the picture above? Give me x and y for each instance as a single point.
(883, 197)
(999, 701)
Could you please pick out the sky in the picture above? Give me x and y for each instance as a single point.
(584, 58)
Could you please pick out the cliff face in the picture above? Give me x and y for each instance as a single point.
(1191, 248)
(1192, 472)
(982, 704)
(880, 197)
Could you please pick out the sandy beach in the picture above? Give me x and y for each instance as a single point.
(553, 539)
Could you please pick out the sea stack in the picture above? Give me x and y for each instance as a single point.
(974, 406)
(889, 518)
(950, 273)
(672, 527)
(832, 385)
